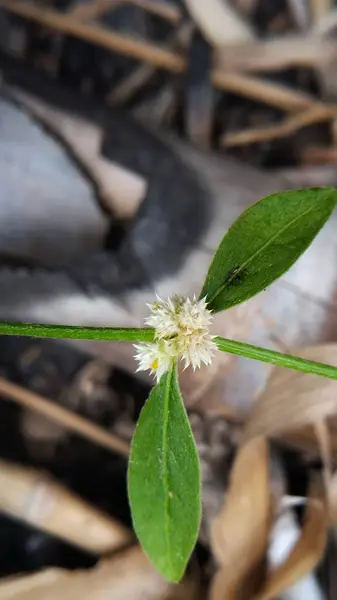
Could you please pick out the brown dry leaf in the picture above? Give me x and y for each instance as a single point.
(293, 402)
(323, 439)
(333, 498)
(222, 589)
(240, 532)
(127, 575)
(307, 551)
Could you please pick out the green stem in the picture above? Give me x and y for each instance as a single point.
(276, 358)
(146, 335)
(77, 332)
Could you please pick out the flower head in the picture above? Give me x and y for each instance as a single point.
(155, 357)
(181, 332)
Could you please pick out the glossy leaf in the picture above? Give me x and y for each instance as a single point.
(164, 480)
(264, 242)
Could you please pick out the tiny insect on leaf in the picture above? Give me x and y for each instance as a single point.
(263, 243)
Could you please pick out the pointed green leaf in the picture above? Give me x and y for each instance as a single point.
(164, 480)
(264, 242)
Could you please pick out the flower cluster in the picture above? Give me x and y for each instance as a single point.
(181, 332)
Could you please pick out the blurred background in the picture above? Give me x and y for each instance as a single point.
(132, 134)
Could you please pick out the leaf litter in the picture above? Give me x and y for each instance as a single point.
(304, 419)
(297, 412)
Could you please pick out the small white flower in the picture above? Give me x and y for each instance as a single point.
(155, 357)
(181, 332)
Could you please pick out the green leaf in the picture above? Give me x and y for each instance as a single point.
(164, 480)
(264, 242)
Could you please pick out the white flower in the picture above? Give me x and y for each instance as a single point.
(181, 332)
(154, 356)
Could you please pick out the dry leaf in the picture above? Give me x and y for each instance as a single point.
(221, 588)
(240, 532)
(305, 554)
(333, 498)
(285, 534)
(323, 439)
(220, 24)
(128, 575)
(293, 402)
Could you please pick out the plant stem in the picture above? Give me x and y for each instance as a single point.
(276, 358)
(146, 335)
(77, 332)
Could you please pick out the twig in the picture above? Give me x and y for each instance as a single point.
(267, 92)
(310, 51)
(250, 87)
(37, 499)
(157, 109)
(92, 10)
(96, 8)
(289, 126)
(63, 417)
(143, 72)
(318, 155)
(158, 8)
(135, 48)
(130, 84)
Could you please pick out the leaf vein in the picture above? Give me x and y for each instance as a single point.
(165, 455)
(239, 269)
